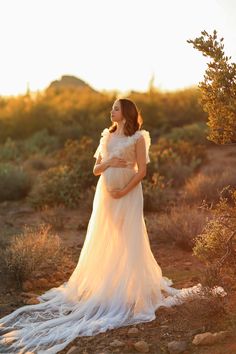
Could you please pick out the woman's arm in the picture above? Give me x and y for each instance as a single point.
(142, 169)
(99, 166)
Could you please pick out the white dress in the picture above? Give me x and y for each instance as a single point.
(117, 281)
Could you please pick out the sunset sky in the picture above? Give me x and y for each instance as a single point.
(107, 43)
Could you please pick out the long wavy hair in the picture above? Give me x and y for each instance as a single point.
(133, 118)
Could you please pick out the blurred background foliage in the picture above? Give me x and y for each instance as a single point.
(50, 137)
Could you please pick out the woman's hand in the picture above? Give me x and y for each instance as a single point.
(117, 162)
(100, 167)
(117, 193)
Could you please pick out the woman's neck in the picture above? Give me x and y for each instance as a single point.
(119, 129)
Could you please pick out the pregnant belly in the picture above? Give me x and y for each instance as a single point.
(117, 178)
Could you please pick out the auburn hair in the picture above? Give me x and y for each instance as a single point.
(133, 118)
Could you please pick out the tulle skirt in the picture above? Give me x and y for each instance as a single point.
(117, 281)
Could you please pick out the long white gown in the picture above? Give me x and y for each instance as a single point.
(117, 281)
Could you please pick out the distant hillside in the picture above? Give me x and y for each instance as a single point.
(70, 81)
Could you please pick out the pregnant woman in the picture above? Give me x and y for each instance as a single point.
(117, 281)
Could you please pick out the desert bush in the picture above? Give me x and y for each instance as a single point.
(206, 310)
(66, 183)
(69, 132)
(30, 250)
(55, 217)
(207, 187)
(40, 142)
(56, 186)
(10, 151)
(181, 225)
(37, 163)
(70, 112)
(165, 110)
(15, 183)
(195, 133)
(216, 244)
(156, 194)
(175, 161)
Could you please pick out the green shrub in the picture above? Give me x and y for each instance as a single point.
(216, 245)
(66, 183)
(10, 151)
(41, 142)
(175, 161)
(156, 194)
(15, 183)
(195, 133)
(38, 163)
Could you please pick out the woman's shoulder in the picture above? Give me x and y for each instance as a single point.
(132, 138)
(144, 133)
(105, 132)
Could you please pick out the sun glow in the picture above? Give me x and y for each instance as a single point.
(109, 44)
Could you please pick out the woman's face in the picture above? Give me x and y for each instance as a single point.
(116, 114)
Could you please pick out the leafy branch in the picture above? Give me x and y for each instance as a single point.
(218, 89)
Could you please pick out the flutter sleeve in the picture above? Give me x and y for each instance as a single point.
(147, 139)
(99, 149)
(97, 152)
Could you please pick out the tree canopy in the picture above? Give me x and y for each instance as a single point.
(218, 88)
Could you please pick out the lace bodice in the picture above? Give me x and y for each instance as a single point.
(112, 145)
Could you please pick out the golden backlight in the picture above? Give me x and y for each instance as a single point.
(110, 44)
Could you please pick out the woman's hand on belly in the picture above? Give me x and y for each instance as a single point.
(117, 162)
(117, 193)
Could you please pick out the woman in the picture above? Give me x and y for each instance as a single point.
(117, 281)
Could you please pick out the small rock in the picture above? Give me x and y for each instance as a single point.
(176, 347)
(209, 338)
(142, 346)
(188, 263)
(117, 343)
(73, 350)
(132, 332)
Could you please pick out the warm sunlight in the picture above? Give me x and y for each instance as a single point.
(117, 176)
(109, 44)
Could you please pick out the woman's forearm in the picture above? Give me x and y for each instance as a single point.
(100, 167)
(134, 181)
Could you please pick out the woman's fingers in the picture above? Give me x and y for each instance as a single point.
(119, 162)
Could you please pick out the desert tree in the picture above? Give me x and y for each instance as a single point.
(218, 89)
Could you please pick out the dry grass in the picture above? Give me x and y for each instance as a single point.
(181, 225)
(31, 249)
(206, 310)
(208, 187)
(55, 217)
(218, 173)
